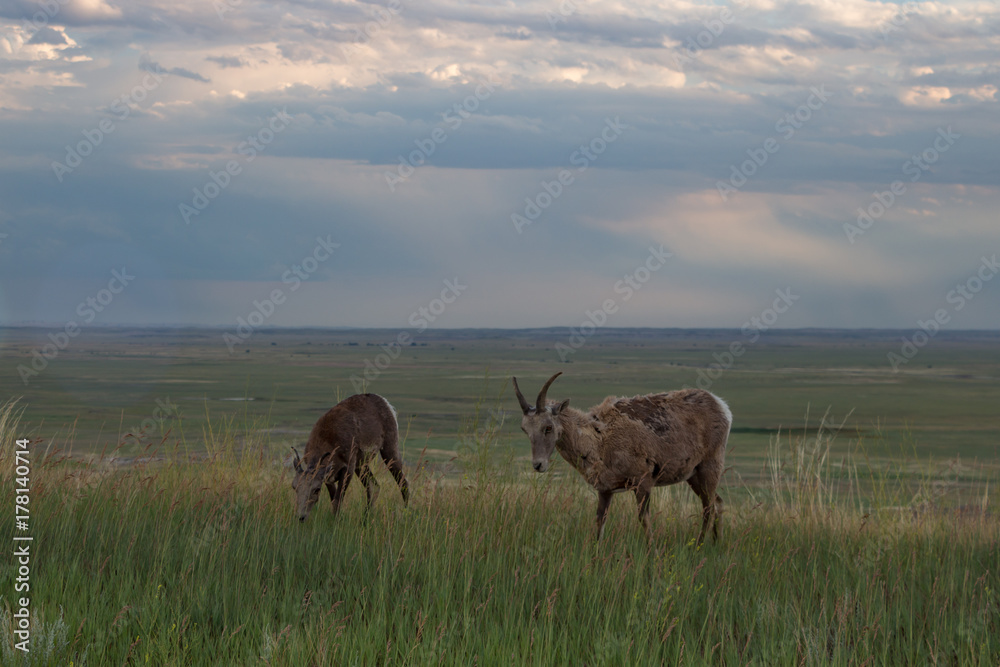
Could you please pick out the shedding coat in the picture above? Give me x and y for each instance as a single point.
(636, 444)
(657, 439)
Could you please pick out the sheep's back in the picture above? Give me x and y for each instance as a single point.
(686, 421)
(361, 421)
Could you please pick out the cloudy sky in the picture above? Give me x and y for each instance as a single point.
(544, 157)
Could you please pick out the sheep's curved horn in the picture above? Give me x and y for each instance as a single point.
(525, 406)
(540, 403)
(297, 463)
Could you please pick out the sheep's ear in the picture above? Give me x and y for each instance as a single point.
(322, 467)
(559, 408)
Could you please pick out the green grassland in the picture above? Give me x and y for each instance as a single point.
(169, 563)
(860, 524)
(108, 381)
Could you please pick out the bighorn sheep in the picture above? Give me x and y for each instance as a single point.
(342, 443)
(636, 443)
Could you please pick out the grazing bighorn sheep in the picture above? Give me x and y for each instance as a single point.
(636, 443)
(342, 443)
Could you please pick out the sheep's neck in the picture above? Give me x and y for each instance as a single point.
(578, 437)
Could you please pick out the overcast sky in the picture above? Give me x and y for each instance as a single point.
(543, 157)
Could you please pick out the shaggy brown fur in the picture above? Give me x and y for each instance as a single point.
(343, 443)
(636, 444)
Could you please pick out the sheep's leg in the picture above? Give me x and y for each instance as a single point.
(718, 513)
(697, 483)
(603, 501)
(642, 501)
(395, 465)
(371, 484)
(707, 513)
(338, 487)
(711, 473)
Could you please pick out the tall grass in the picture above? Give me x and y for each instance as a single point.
(169, 562)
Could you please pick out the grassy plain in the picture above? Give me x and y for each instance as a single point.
(877, 544)
(108, 381)
(169, 563)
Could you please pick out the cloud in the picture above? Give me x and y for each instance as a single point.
(46, 35)
(227, 61)
(147, 65)
(701, 91)
(88, 11)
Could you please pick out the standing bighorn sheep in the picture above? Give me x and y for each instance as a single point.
(343, 442)
(636, 443)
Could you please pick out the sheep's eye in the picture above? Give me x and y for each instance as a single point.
(548, 430)
(583, 457)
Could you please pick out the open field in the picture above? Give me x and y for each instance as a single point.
(108, 381)
(169, 563)
(869, 536)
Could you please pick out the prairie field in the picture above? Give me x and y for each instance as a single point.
(219, 220)
(860, 526)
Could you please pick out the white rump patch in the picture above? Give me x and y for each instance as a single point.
(725, 409)
(393, 410)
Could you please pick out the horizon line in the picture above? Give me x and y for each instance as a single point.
(287, 328)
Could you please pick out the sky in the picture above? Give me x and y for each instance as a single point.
(500, 164)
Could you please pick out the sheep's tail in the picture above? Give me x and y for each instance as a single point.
(727, 412)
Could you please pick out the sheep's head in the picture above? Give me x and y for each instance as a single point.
(542, 425)
(309, 481)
